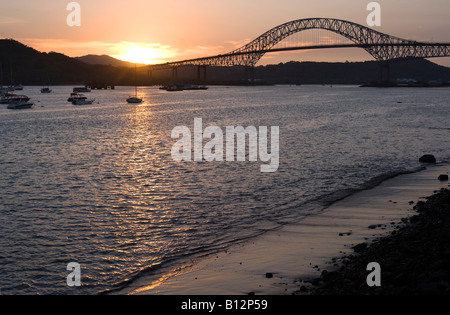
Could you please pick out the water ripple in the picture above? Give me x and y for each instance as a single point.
(97, 186)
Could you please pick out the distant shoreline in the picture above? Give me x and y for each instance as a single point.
(269, 84)
(415, 85)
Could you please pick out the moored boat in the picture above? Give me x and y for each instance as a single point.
(76, 96)
(12, 98)
(83, 102)
(20, 105)
(174, 88)
(81, 89)
(134, 100)
(183, 87)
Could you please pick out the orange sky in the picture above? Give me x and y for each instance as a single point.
(148, 31)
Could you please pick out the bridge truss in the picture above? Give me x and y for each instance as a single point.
(382, 47)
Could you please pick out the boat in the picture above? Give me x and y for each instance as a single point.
(194, 87)
(76, 96)
(83, 89)
(183, 87)
(83, 102)
(134, 99)
(12, 98)
(174, 88)
(46, 90)
(12, 87)
(20, 105)
(4, 93)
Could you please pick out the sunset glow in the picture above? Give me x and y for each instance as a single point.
(142, 53)
(150, 32)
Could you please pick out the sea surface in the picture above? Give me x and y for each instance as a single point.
(97, 184)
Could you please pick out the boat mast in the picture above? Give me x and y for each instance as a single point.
(135, 81)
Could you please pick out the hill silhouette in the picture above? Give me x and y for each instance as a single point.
(31, 67)
(106, 60)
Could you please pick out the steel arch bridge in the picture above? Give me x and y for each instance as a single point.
(382, 47)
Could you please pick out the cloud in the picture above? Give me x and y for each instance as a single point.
(10, 20)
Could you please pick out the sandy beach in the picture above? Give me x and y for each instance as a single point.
(280, 262)
(413, 260)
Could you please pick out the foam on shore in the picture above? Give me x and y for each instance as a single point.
(276, 262)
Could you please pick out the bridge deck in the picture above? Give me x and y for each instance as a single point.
(215, 60)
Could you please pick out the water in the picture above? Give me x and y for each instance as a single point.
(97, 185)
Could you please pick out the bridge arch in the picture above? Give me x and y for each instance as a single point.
(382, 47)
(375, 43)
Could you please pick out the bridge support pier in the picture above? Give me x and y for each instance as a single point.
(175, 73)
(199, 74)
(250, 74)
(384, 73)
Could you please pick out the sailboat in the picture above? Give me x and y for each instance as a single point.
(134, 99)
(12, 88)
(4, 90)
(46, 90)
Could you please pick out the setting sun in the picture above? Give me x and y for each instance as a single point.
(143, 53)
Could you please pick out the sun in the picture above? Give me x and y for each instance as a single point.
(142, 54)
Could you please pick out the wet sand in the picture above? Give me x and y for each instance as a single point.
(282, 261)
(413, 260)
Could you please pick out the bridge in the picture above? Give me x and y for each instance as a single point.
(382, 47)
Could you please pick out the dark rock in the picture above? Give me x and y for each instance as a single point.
(303, 289)
(372, 227)
(400, 279)
(443, 177)
(316, 281)
(429, 289)
(360, 247)
(269, 275)
(427, 158)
